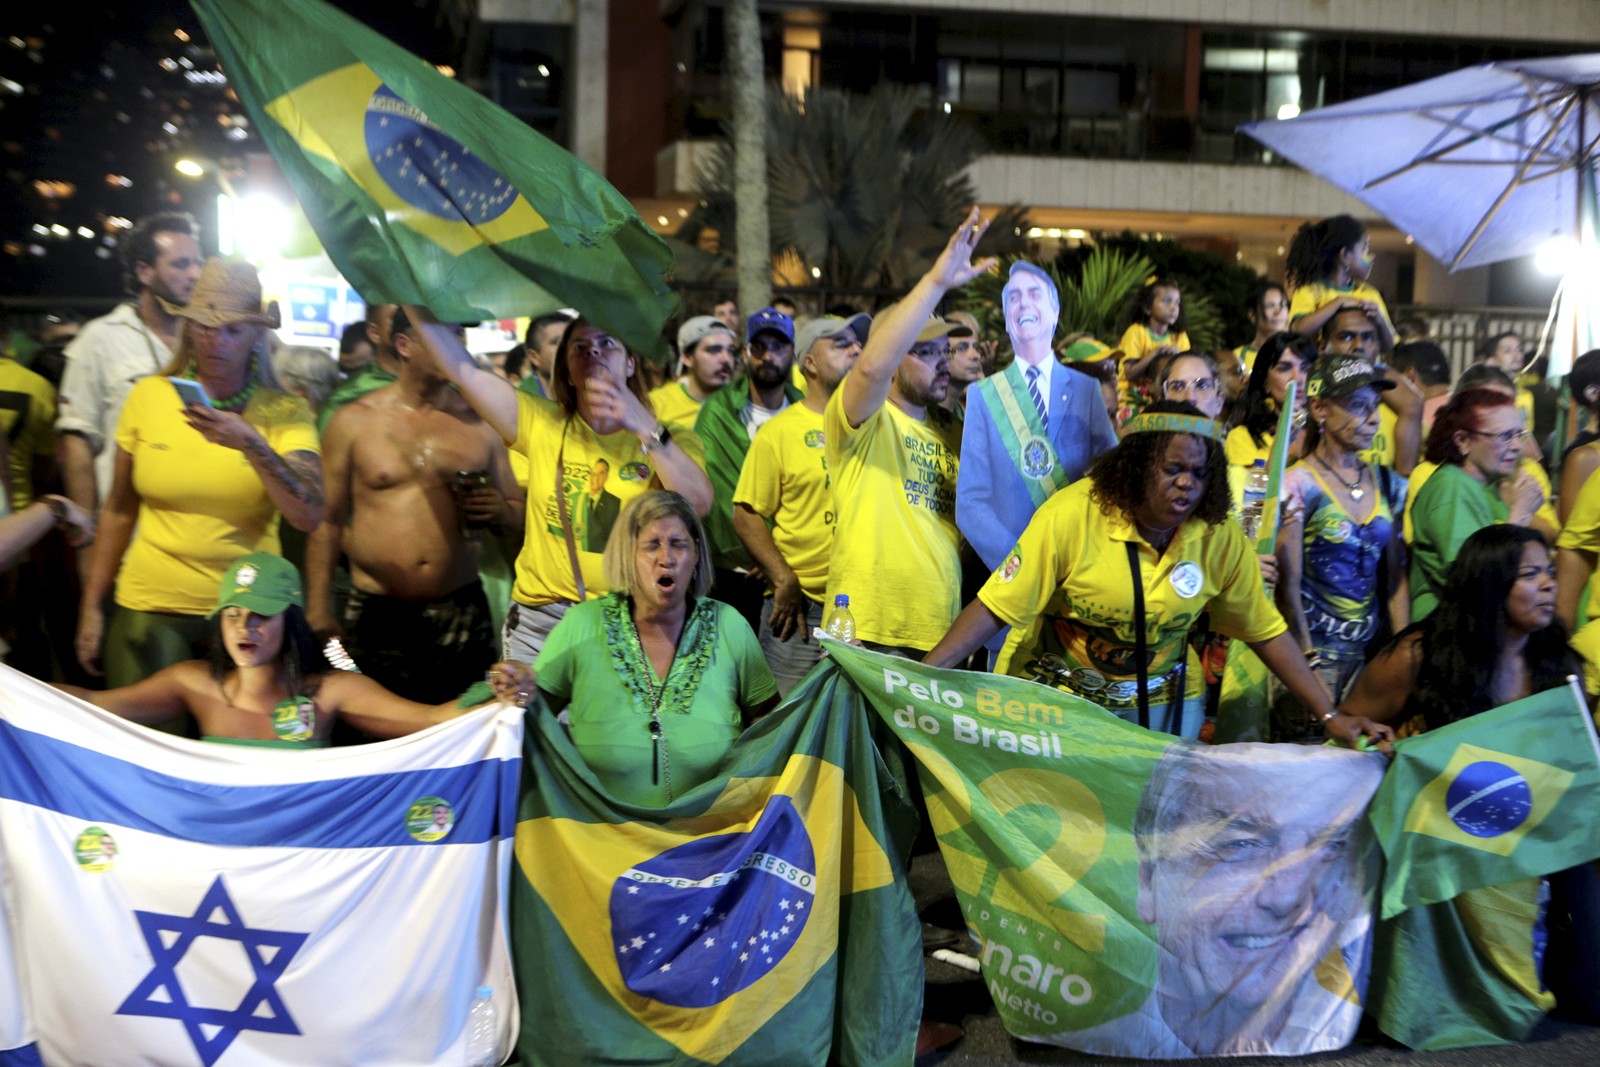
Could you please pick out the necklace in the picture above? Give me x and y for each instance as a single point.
(233, 400)
(1354, 487)
(1161, 539)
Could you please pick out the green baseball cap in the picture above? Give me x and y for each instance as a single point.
(262, 583)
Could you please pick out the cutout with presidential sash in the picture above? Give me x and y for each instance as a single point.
(425, 192)
(1023, 431)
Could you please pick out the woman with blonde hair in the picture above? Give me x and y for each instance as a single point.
(208, 457)
(657, 680)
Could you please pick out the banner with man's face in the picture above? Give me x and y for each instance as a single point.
(1133, 894)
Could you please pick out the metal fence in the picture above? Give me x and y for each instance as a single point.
(1461, 332)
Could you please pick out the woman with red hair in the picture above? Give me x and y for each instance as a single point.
(1477, 440)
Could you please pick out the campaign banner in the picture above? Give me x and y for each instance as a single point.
(1131, 893)
(172, 901)
(762, 918)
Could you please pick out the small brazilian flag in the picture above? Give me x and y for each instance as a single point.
(425, 192)
(1496, 797)
(762, 918)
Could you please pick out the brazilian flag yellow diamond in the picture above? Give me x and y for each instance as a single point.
(613, 888)
(418, 176)
(1487, 800)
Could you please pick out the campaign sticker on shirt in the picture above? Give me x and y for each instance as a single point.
(1013, 564)
(635, 472)
(1187, 578)
(429, 818)
(815, 439)
(95, 850)
(294, 719)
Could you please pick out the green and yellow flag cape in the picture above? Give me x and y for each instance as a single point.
(425, 192)
(762, 919)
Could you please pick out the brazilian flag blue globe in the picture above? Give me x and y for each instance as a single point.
(424, 192)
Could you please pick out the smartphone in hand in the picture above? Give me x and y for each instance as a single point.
(191, 392)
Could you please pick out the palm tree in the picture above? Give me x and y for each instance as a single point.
(749, 148)
(864, 190)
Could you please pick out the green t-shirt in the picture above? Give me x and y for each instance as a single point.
(593, 666)
(1450, 508)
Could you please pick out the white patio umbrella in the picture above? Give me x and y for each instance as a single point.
(1481, 165)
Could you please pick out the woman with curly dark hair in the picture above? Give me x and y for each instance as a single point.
(1145, 536)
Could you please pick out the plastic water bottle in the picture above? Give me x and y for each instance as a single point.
(483, 1035)
(1255, 496)
(840, 624)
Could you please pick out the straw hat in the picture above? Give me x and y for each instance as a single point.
(228, 291)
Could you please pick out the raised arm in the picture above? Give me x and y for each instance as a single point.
(867, 386)
(491, 396)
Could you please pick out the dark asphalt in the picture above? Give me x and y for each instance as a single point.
(958, 996)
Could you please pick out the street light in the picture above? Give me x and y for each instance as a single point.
(189, 168)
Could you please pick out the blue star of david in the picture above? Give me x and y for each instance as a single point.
(269, 952)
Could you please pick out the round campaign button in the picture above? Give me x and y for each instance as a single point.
(1187, 578)
(430, 818)
(94, 849)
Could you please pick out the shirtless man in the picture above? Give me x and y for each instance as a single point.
(417, 619)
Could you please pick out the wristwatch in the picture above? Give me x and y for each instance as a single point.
(648, 443)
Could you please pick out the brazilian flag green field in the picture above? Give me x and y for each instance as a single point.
(762, 919)
(425, 192)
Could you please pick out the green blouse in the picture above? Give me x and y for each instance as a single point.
(1451, 506)
(646, 741)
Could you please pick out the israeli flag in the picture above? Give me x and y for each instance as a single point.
(167, 901)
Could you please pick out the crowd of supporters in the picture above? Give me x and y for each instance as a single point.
(653, 548)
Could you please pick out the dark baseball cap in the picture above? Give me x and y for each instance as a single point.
(1337, 375)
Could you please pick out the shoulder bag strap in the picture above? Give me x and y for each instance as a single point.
(561, 509)
(1140, 651)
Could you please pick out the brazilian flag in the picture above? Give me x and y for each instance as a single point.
(423, 191)
(1504, 795)
(762, 919)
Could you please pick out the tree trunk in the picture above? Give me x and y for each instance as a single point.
(747, 84)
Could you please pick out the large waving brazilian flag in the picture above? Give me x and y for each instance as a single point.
(423, 191)
(1133, 894)
(762, 919)
(1507, 794)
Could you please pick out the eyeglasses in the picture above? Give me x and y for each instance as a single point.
(1181, 386)
(929, 353)
(1504, 437)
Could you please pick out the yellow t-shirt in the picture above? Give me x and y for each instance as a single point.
(674, 405)
(1066, 590)
(1582, 534)
(894, 496)
(32, 399)
(1315, 295)
(1247, 356)
(1381, 452)
(1242, 450)
(1424, 470)
(1138, 342)
(544, 570)
(785, 480)
(201, 506)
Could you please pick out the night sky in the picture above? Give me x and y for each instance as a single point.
(91, 121)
